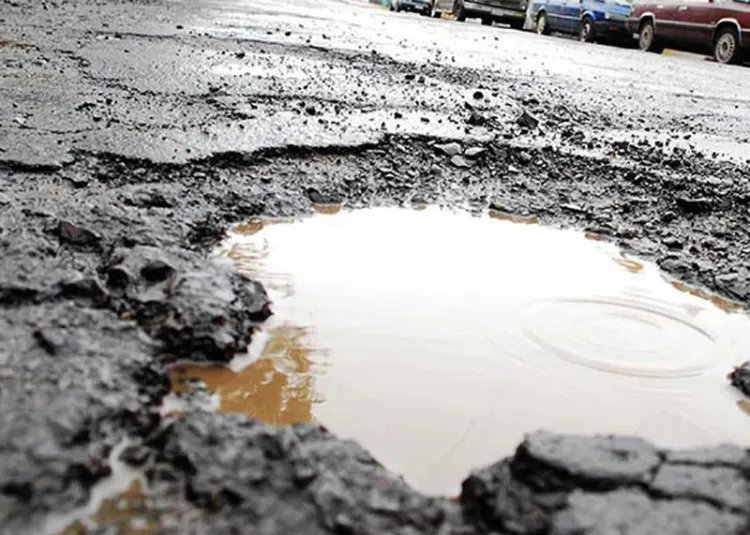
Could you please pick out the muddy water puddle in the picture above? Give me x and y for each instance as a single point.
(118, 505)
(438, 339)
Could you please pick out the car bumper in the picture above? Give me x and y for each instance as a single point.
(496, 12)
(612, 27)
(416, 5)
(632, 27)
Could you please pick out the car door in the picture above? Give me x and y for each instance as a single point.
(549, 8)
(571, 15)
(665, 15)
(694, 24)
(554, 14)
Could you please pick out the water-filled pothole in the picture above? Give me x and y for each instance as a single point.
(438, 339)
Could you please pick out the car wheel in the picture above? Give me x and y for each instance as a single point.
(587, 33)
(727, 47)
(486, 21)
(459, 11)
(647, 38)
(542, 28)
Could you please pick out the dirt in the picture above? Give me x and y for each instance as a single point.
(119, 172)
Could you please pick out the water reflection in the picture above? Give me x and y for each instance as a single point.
(439, 339)
(125, 514)
(248, 229)
(513, 218)
(277, 389)
(631, 265)
(327, 209)
(720, 302)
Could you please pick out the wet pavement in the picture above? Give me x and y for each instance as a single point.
(135, 134)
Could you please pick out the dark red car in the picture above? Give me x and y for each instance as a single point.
(719, 25)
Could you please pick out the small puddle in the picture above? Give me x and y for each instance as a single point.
(118, 505)
(438, 339)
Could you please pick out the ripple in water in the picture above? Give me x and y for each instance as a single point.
(438, 339)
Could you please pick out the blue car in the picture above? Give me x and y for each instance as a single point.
(591, 20)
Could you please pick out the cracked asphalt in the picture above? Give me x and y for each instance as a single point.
(133, 134)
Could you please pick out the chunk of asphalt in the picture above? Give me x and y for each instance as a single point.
(527, 120)
(723, 455)
(73, 234)
(449, 149)
(203, 312)
(473, 152)
(496, 502)
(320, 197)
(722, 486)
(740, 378)
(632, 512)
(694, 205)
(547, 461)
(286, 479)
(459, 161)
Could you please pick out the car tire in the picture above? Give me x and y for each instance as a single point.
(647, 38)
(542, 24)
(727, 48)
(587, 31)
(459, 11)
(486, 21)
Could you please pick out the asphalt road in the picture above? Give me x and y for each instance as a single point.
(153, 75)
(133, 134)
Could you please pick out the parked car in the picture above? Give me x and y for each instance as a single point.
(693, 25)
(512, 12)
(422, 7)
(591, 20)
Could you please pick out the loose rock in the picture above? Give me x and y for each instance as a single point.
(449, 149)
(459, 161)
(527, 120)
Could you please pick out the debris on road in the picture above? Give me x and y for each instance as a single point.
(527, 120)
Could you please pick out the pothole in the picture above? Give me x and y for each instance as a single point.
(438, 339)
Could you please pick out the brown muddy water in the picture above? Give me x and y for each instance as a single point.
(118, 505)
(438, 339)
